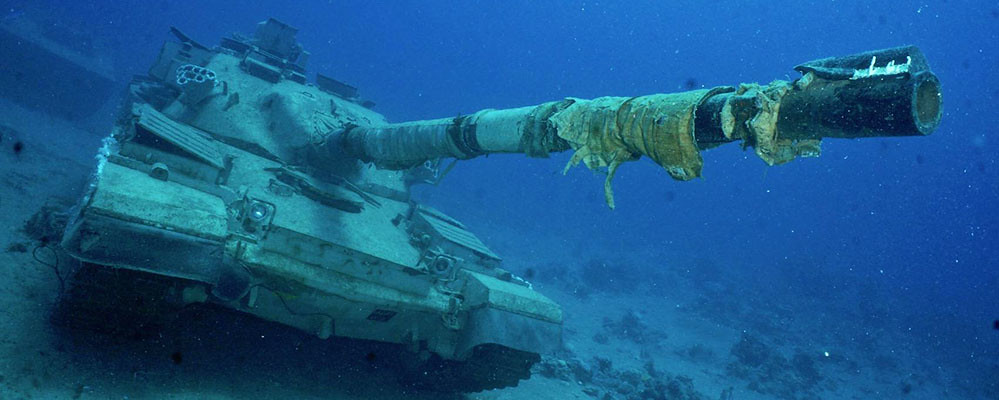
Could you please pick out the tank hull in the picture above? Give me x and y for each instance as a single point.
(306, 261)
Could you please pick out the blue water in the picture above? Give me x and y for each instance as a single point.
(911, 220)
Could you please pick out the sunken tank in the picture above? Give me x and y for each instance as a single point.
(230, 180)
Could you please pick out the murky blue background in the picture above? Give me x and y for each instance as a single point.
(907, 224)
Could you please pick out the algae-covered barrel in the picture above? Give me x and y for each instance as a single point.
(889, 92)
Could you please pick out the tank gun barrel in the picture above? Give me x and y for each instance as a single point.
(889, 92)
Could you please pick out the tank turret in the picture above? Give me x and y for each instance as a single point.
(231, 181)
